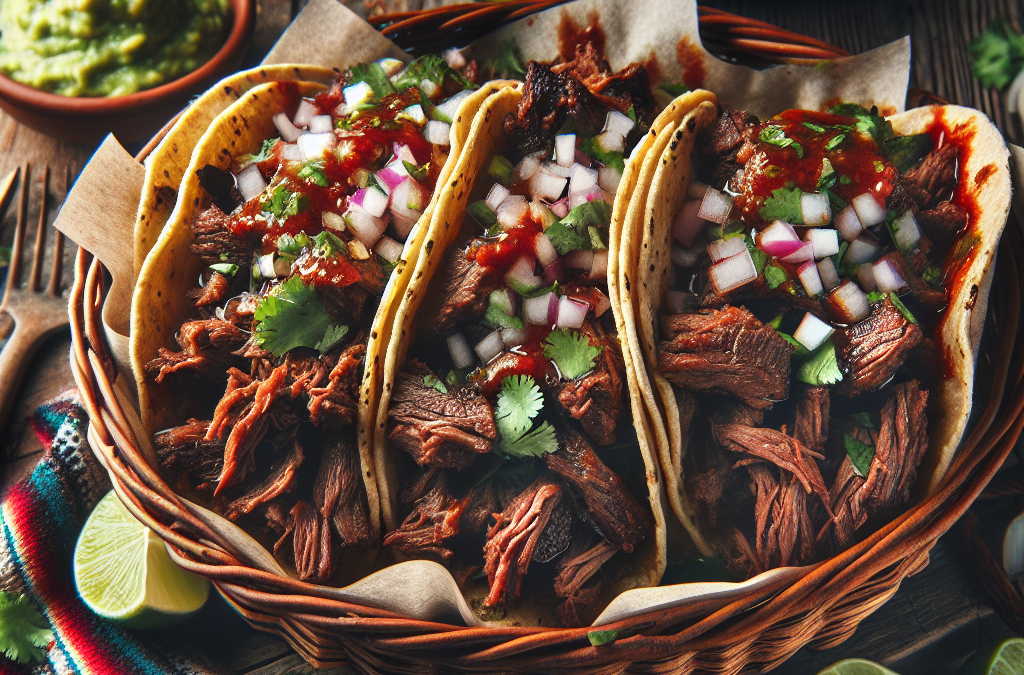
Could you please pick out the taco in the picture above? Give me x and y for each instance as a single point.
(807, 294)
(509, 438)
(299, 207)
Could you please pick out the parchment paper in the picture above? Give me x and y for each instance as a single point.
(100, 213)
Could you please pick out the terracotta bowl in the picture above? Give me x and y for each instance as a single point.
(132, 117)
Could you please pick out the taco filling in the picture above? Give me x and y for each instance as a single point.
(809, 263)
(299, 240)
(509, 411)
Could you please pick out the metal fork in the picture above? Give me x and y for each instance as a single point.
(37, 312)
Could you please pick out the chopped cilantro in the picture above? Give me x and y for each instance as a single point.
(282, 202)
(227, 269)
(264, 154)
(875, 296)
(372, 74)
(828, 176)
(906, 151)
(565, 238)
(293, 315)
(820, 367)
(879, 166)
(429, 67)
(903, 308)
(482, 214)
(783, 204)
(602, 637)
(571, 351)
(519, 402)
(500, 170)
(997, 55)
(596, 241)
(863, 419)
(774, 135)
(328, 244)
(775, 276)
(845, 180)
(834, 142)
(452, 379)
(314, 173)
(417, 173)
(576, 230)
(497, 318)
(433, 382)
(860, 454)
(902, 151)
(507, 63)
(290, 246)
(539, 442)
(609, 158)
(24, 632)
(759, 257)
(631, 113)
(932, 275)
(868, 122)
(816, 128)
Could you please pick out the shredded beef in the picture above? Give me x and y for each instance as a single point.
(869, 352)
(811, 425)
(312, 555)
(438, 429)
(579, 567)
(335, 405)
(556, 535)
(433, 519)
(784, 535)
(630, 87)
(595, 399)
(482, 504)
(184, 449)
(610, 505)
(719, 145)
(344, 304)
(726, 350)
(340, 494)
(944, 223)
(213, 293)
(281, 479)
(933, 180)
(510, 543)
(214, 242)
(207, 348)
(462, 296)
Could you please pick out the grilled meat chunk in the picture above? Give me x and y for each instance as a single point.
(282, 479)
(944, 223)
(438, 429)
(932, 181)
(334, 406)
(339, 494)
(577, 568)
(214, 242)
(220, 185)
(433, 519)
(610, 505)
(184, 449)
(207, 348)
(213, 293)
(595, 399)
(720, 143)
(463, 296)
(726, 350)
(869, 352)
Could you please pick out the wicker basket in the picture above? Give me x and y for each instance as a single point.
(760, 630)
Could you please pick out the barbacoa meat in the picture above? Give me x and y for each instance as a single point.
(435, 428)
(575, 572)
(595, 398)
(433, 519)
(334, 406)
(932, 181)
(510, 543)
(944, 223)
(311, 553)
(610, 505)
(462, 297)
(213, 293)
(282, 479)
(220, 185)
(869, 352)
(811, 424)
(339, 493)
(214, 242)
(783, 529)
(726, 350)
(719, 145)
(185, 450)
(207, 348)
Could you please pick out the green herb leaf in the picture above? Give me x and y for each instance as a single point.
(433, 68)
(496, 318)
(783, 204)
(574, 232)
(539, 442)
(860, 454)
(609, 158)
(519, 401)
(602, 637)
(432, 381)
(264, 154)
(863, 419)
(372, 74)
(571, 351)
(328, 244)
(293, 315)
(903, 308)
(868, 121)
(932, 275)
(997, 55)
(227, 269)
(596, 240)
(507, 63)
(314, 173)
(820, 367)
(906, 151)
(417, 173)
(816, 128)
(482, 214)
(500, 170)
(775, 276)
(565, 238)
(291, 246)
(24, 632)
(776, 136)
(834, 142)
(282, 202)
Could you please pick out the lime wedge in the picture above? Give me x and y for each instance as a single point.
(856, 667)
(124, 573)
(1005, 658)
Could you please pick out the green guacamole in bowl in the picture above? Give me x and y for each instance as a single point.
(108, 47)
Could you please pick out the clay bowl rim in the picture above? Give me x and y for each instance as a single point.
(39, 101)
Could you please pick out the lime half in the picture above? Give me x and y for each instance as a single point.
(124, 573)
(1006, 658)
(856, 667)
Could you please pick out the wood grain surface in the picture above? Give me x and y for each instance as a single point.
(935, 620)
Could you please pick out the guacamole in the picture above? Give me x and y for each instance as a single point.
(107, 47)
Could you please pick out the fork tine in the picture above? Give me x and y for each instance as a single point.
(57, 268)
(14, 268)
(40, 248)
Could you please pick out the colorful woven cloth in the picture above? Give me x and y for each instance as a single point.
(40, 519)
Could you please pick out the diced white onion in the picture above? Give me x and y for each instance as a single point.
(416, 114)
(715, 207)
(866, 277)
(389, 249)
(861, 251)
(571, 313)
(527, 167)
(544, 249)
(403, 226)
(619, 123)
(547, 185)
(375, 202)
(447, 111)
(906, 233)
(429, 88)
(779, 239)
(582, 178)
(579, 260)
(307, 109)
(608, 178)
(454, 58)
(537, 310)
(333, 221)
(802, 254)
(599, 267)
(462, 355)
(887, 276)
(403, 153)
(732, 272)
(815, 209)
(557, 169)
(812, 332)
(869, 210)
(590, 194)
(513, 337)
(565, 149)
(314, 146)
(288, 131)
(496, 196)
(850, 301)
(320, 124)
(390, 66)
(521, 276)
(409, 199)
(849, 224)
(542, 213)
(437, 133)
(824, 242)
(696, 190)
(364, 227)
(512, 209)
(828, 274)
(809, 277)
(687, 224)
(490, 346)
(357, 94)
(265, 264)
(720, 249)
(291, 152)
(611, 141)
(250, 182)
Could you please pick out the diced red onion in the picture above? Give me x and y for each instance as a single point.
(389, 177)
(364, 227)
(599, 267)
(868, 208)
(389, 249)
(696, 190)
(397, 167)
(409, 199)
(779, 239)
(539, 310)
(557, 169)
(403, 153)
(560, 208)
(687, 224)
(565, 149)
(611, 141)
(438, 133)
(357, 94)
(307, 109)
(513, 209)
(375, 202)
(676, 301)
(715, 207)
(732, 272)
(544, 249)
(357, 197)
(906, 233)
(824, 242)
(314, 146)
(850, 302)
(861, 250)
(579, 260)
(720, 249)
(815, 209)
(603, 303)
(489, 347)
(403, 226)
(590, 194)
(333, 221)
(804, 253)
(527, 167)
(496, 196)
(454, 58)
(849, 224)
(521, 276)
(582, 178)
(250, 182)
(288, 131)
(808, 274)
(828, 274)
(812, 332)
(553, 272)
(887, 276)
(571, 313)
(608, 178)
(686, 257)
(462, 355)
(290, 151)
(546, 185)
(513, 337)
(320, 124)
(619, 123)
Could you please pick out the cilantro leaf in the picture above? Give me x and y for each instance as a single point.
(834, 142)
(432, 381)
(24, 632)
(328, 244)
(564, 238)
(602, 637)
(429, 67)
(264, 154)
(571, 351)
(820, 367)
(903, 308)
(610, 158)
(372, 74)
(539, 442)
(597, 213)
(860, 454)
(314, 173)
(997, 55)
(932, 275)
(417, 173)
(906, 151)
(581, 227)
(282, 202)
(496, 318)
(774, 135)
(519, 401)
(293, 315)
(775, 276)
(482, 214)
(288, 245)
(507, 63)
(868, 121)
(783, 204)
(863, 419)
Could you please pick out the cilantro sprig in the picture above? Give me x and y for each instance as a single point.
(571, 351)
(282, 202)
(783, 204)
(519, 402)
(774, 135)
(997, 55)
(24, 632)
(293, 315)
(581, 228)
(820, 367)
(264, 153)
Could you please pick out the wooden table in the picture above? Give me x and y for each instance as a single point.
(936, 618)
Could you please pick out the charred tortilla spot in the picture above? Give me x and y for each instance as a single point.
(984, 173)
(973, 299)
